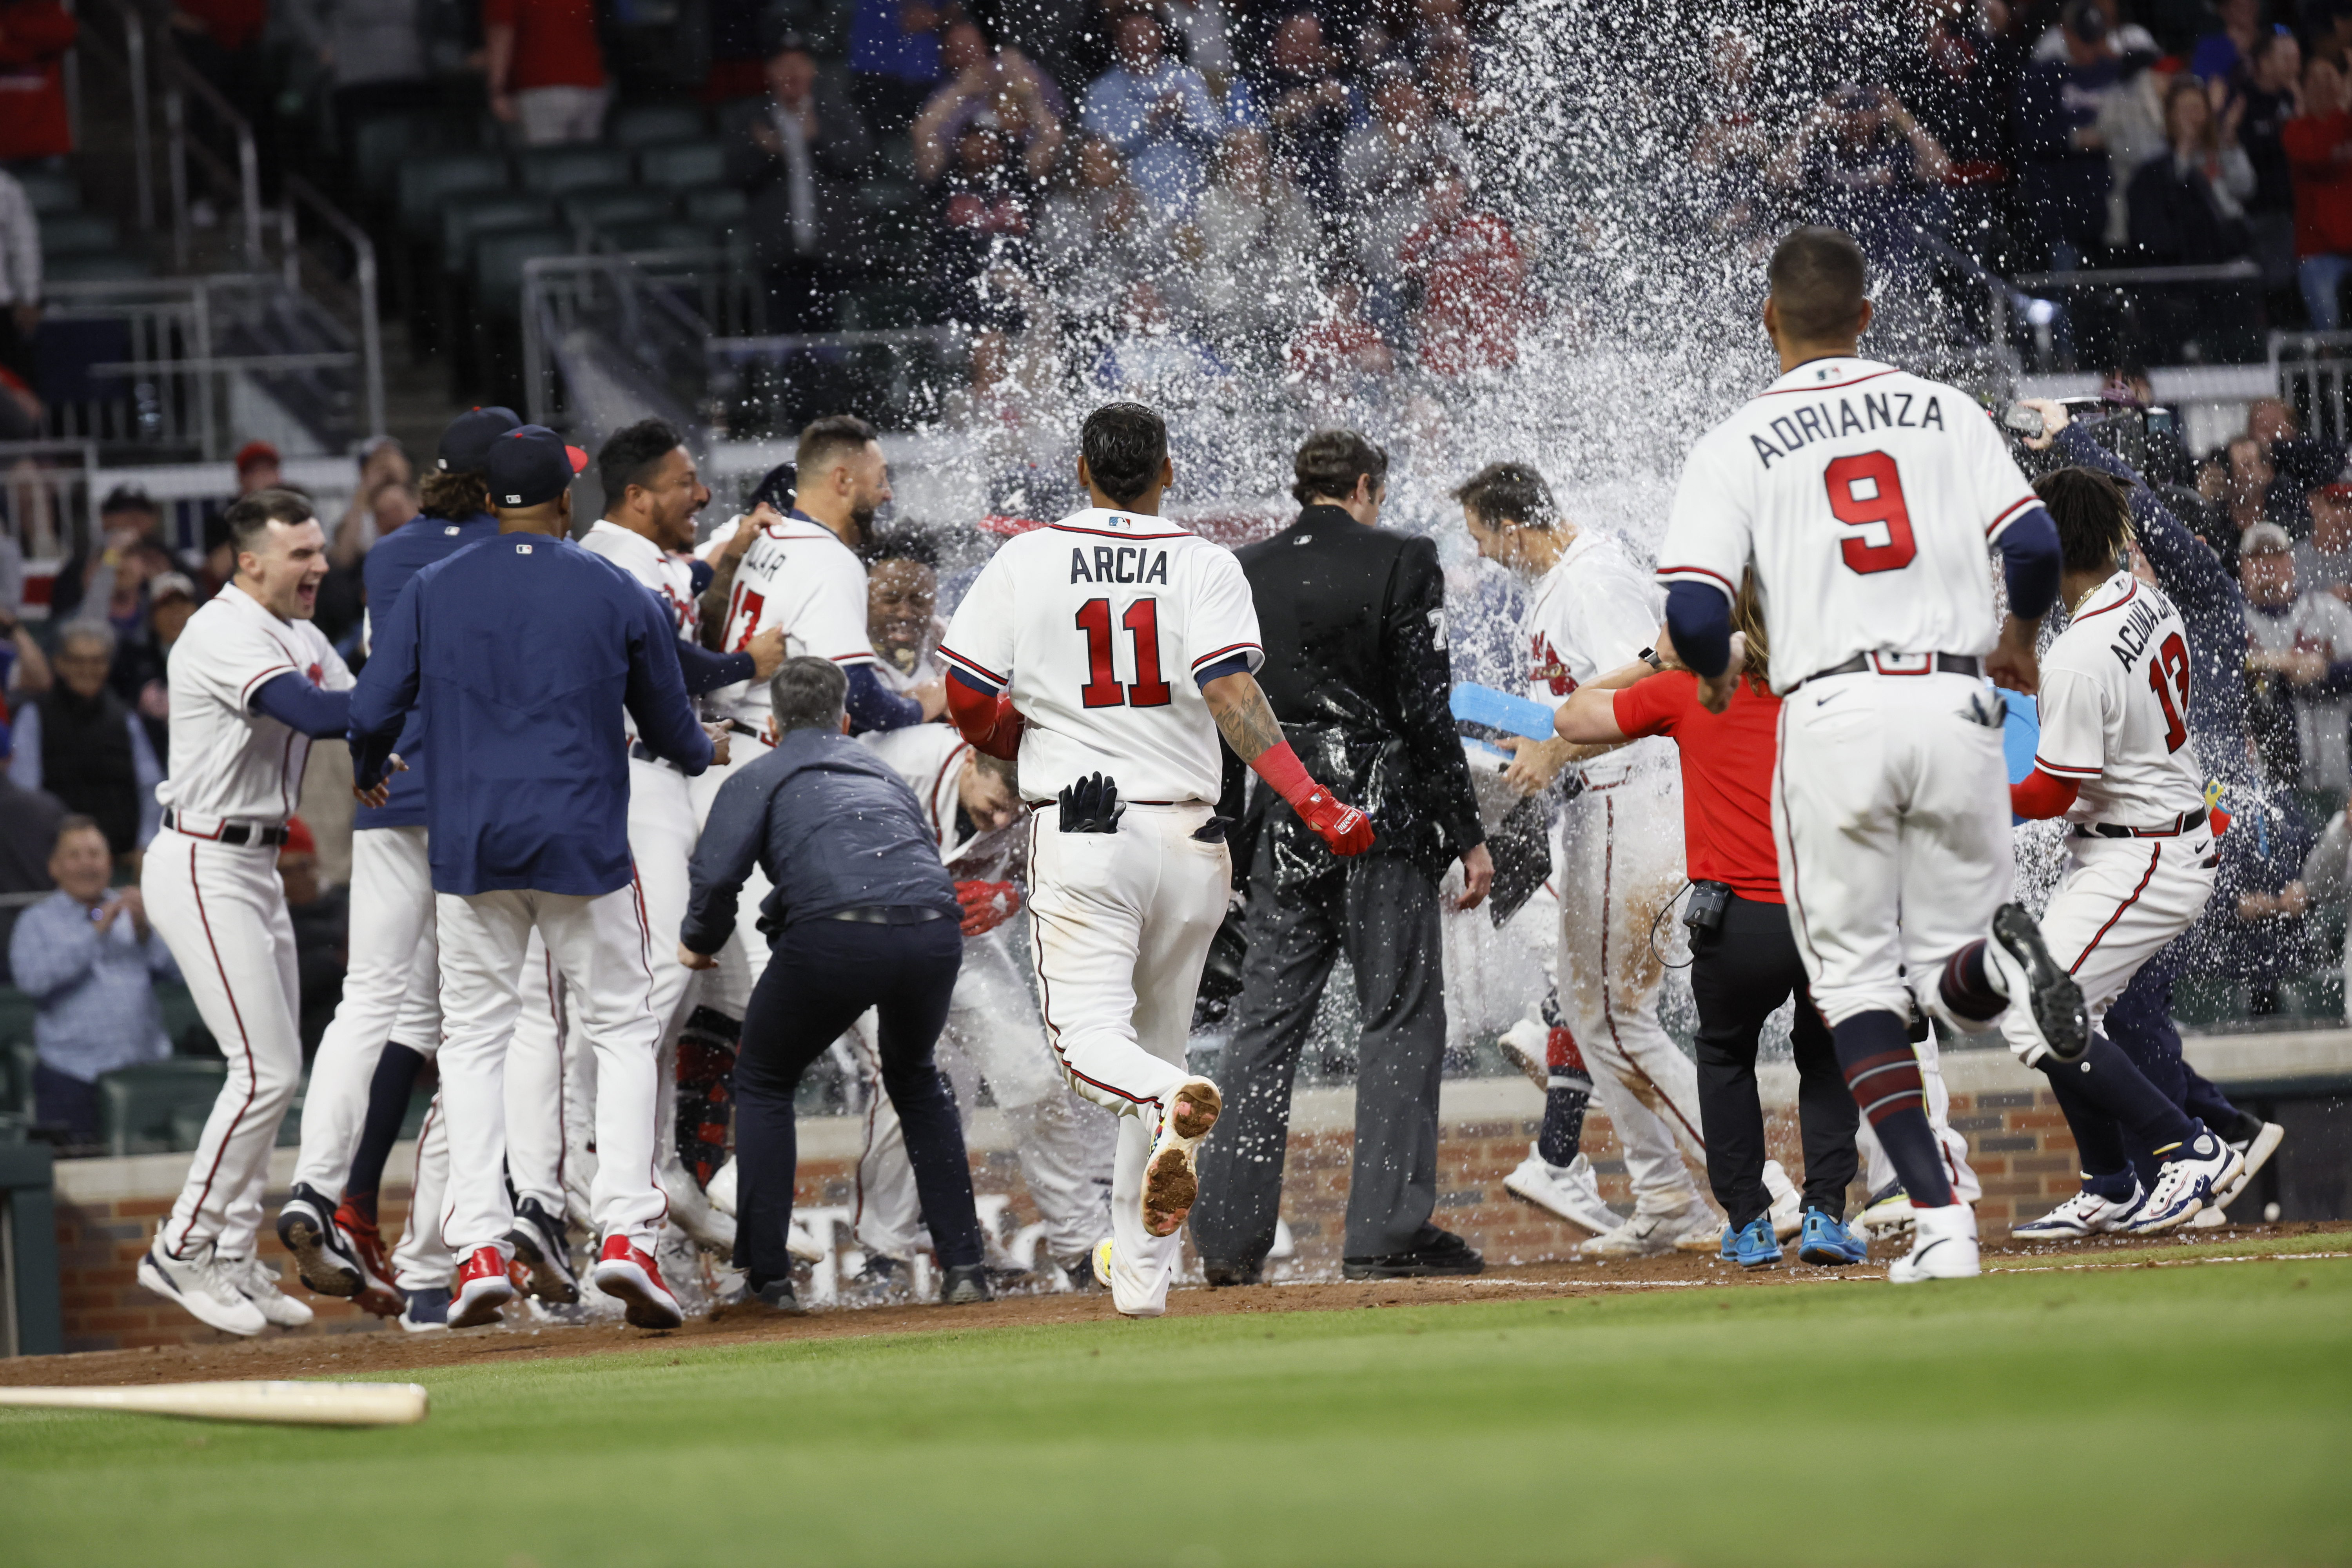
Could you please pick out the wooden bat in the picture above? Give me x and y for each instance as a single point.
(293, 1404)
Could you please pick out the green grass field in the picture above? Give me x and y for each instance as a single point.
(2196, 1415)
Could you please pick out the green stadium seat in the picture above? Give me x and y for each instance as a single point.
(379, 145)
(427, 184)
(2205, 1001)
(49, 191)
(96, 267)
(675, 166)
(631, 238)
(466, 219)
(882, 305)
(2315, 998)
(78, 233)
(20, 1058)
(557, 170)
(180, 1015)
(603, 206)
(643, 125)
(894, 156)
(157, 1107)
(714, 204)
(498, 266)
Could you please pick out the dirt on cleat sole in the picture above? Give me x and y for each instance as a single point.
(317, 1267)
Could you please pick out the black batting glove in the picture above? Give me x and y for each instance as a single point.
(1091, 806)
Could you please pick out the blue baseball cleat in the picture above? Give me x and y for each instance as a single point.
(1755, 1246)
(1828, 1242)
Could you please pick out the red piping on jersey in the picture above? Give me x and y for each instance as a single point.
(2016, 510)
(2059, 769)
(2130, 595)
(937, 818)
(1107, 533)
(270, 674)
(975, 667)
(1211, 657)
(245, 1040)
(1827, 386)
(1720, 580)
(2154, 855)
(1045, 991)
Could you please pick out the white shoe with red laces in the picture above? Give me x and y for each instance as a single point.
(628, 1273)
(483, 1287)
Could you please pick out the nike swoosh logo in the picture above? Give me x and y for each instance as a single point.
(1824, 701)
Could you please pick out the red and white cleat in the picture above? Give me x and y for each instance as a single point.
(483, 1287)
(377, 1293)
(629, 1274)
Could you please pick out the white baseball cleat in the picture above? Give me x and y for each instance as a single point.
(2085, 1214)
(204, 1286)
(2186, 1185)
(1788, 1210)
(2209, 1219)
(1102, 1262)
(2257, 1151)
(483, 1287)
(1888, 1212)
(626, 1272)
(2052, 1003)
(260, 1283)
(1569, 1190)
(1171, 1173)
(1647, 1235)
(1701, 1231)
(1945, 1246)
(1527, 1046)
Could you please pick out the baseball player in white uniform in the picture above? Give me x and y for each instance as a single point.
(1109, 652)
(1865, 497)
(1064, 1143)
(252, 683)
(2115, 758)
(1593, 611)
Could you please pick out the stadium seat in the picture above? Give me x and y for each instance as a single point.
(883, 306)
(180, 1015)
(557, 170)
(427, 184)
(157, 1107)
(675, 165)
(96, 267)
(643, 125)
(2205, 1000)
(714, 204)
(603, 206)
(465, 218)
(629, 238)
(49, 191)
(77, 234)
(19, 1062)
(498, 267)
(2314, 998)
(379, 146)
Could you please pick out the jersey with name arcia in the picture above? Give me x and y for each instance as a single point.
(230, 761)
(1099, 625)
(2115, 708)
(1593, 612)
(799, 575)
(1866, 496)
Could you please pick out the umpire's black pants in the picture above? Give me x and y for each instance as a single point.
(1384, 912)
(1740, 972)
(821, 975)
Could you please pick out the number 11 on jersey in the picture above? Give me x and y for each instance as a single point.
(1102, 688)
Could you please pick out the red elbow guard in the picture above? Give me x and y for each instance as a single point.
(2040, 796)
(986, 719)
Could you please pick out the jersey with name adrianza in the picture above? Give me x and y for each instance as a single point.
(2115, 708)
(1098, 626)
(1866, 496)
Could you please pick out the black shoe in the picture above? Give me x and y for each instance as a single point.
(322, 1258)
(964, 1284)
(1080, 1271)
(884, 1279)
(542, 1244)
(1436, 1252)
(777, 1296)
(1220, 1273)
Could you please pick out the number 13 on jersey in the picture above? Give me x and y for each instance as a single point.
(1102, 688)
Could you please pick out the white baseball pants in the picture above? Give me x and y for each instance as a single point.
(485, 938)
(423, 1261)
(1621, 864)
(1878, 1171)
(1890, 810)
(221, 911)
(1120, 924)
(744, 959)
(391, 944)
(545, 1072)
(2122, 899)
(1066, 1144)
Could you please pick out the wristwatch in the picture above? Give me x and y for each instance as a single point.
(1648, 656)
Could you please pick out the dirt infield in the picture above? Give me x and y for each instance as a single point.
(315, 1354)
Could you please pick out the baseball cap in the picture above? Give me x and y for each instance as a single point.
(298, 839)
(530, 465)
(466, 445)
(2265, 539)
(163, 584)
(255, 452)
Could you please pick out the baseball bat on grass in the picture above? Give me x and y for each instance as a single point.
(291, 1403)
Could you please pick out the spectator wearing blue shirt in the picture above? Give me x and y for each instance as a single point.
(894, 59)
(2218, 56)
(90, 961)
(522, 651)
(2062, 186)
(1158, 113)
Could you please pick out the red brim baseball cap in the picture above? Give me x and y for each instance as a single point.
(530, 466)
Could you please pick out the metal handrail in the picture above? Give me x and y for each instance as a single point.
(180, 84)
(2220, 272)
(300, 193)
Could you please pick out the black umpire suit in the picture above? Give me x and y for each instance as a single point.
(1356, 670)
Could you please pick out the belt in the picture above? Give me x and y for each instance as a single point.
(887, 915)
(2187, 822)
(1929, 664)
(230, 832)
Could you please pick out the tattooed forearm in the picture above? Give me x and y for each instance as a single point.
(714, 598)
(1243, 715)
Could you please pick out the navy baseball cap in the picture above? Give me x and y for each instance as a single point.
(530, 465)
(466, 445)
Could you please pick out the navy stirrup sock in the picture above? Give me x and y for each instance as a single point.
(1883, 1073)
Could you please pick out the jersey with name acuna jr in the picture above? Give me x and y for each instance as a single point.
(1098, 626)
(1866, 496)
(2115, 708)
(799, 575)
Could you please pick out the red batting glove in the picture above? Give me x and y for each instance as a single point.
(1346, 830)
(986, 905)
